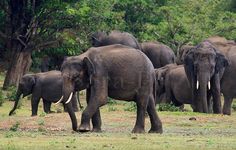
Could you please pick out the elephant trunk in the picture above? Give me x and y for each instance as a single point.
(202, 84)
(67, 92)
(17, 98)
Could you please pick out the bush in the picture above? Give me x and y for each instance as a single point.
(234, 106)
(167, 107)
(130, 106)
(111, 101)
(11, 95)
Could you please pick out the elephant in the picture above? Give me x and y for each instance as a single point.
(114, 37)
(108, 71)
(159, 54)
(204, 65)
(182, 52)
(170, 79)
(228, 82)
(46, 85)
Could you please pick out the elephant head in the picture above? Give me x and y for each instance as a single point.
(77, 73)
(97, 37)
(160, 77)
(203, 64)
(182, 53)
(25, 87)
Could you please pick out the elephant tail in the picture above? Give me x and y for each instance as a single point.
(16, 102)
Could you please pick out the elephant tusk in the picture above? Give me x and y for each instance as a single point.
(197, 84)
(69, 99)
(209, 85)
(59, 100)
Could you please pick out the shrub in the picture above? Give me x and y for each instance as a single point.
(234, 106)
(168, 107)
(111, 101)
(130, 106)
(11, 95)
(41, 122)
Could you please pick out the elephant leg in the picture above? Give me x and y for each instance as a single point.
(47, 106)
(34, 105)
(97, 98)
(156, 125)
(141, 102)
(216, 94)
(96, 119)
(72, 115)
(227, 105)
(209, 103)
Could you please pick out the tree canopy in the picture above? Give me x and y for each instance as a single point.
(64, 27)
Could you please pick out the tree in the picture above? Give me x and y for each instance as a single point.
(190, 21)
(30, 25)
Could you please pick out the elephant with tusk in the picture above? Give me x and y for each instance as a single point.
(108, 71)
(204, 65)
(47, 85)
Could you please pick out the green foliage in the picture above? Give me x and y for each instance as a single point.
(41, 122)
(111, 101)
(42, 114)
(130, 106)
(173, 22)
(15, 126)
(11, 95)
(234, 106)
(190, 21)
(167, 107)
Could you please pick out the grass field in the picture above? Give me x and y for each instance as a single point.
(53, 131)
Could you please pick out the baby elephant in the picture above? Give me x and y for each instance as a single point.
(173, 80)
(47, 85)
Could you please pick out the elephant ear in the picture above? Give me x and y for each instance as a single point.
(90, 68)
(31, 80)
(188, 65)
(27, 83)
(221, 62)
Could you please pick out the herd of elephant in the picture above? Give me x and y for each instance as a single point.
(118, 66)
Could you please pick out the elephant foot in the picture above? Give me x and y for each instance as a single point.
(50, 112)
(33, 115)
(158, 130)
(84, 128)
(227, 112)
(97, 130)
(138, 130)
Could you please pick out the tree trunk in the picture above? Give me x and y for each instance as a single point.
(20, 64)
